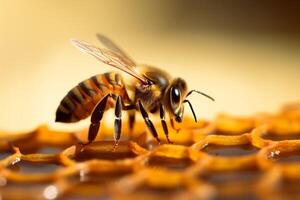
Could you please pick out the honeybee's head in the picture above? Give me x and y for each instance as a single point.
(175, 97)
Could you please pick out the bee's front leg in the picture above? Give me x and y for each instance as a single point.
(163, 122)
(173, 125)
(148, 121)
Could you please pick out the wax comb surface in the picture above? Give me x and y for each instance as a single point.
(230, 157)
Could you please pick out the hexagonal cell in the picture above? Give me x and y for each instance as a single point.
(91, 186)
(239, 176)
(249, 195)
(91, 196)
(277, 137)
(50, 150)
(233, 125)
(234, 184)
(235, 150)
(169, 163)
(30, 167)
(84, 156)
(23, 191)
(174, 157)
(104, 150)
(289, 189)
(146, 192)
(285, 157)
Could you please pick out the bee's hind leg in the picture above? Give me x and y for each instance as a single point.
(96, 118)
(163, 123)
(118, 121)
(148, 122)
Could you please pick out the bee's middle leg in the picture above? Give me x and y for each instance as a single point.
(131, 121)
(148, 122)
(131, 116)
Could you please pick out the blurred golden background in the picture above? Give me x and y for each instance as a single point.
(246, 55)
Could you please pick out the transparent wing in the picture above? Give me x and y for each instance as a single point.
(111, 58)
(112, 46)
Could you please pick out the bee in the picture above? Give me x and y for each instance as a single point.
(145, 89)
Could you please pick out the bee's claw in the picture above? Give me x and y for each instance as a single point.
(158, 141)
(84, 143)
(170, 142)
(115, 145)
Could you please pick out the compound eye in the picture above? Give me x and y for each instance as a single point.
(175, 96)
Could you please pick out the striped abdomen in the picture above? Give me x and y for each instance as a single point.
(80, 101)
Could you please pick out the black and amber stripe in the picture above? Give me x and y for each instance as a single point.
(81, 100)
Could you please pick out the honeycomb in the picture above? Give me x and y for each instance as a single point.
(229, 157)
